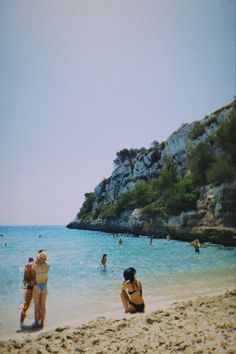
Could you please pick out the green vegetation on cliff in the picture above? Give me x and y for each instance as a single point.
(86, 209)
(210, 161)
(214, 160)
(161, 196)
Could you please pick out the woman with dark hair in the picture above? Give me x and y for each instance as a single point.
(131, 292)
(29, 277)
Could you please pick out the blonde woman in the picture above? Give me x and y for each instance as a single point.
(41, 269)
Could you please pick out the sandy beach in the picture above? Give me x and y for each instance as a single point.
(205, 324)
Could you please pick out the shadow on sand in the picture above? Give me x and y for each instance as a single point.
(29, 328)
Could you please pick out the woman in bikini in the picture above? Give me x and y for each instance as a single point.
(131, 292)
(41, 269)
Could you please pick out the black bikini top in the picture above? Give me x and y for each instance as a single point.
(134, 291)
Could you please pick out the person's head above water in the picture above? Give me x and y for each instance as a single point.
(129, 274)
(30, 259)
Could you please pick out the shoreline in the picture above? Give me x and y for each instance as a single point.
(214, 235)
(154, 302)
(172, 326)
(159, 299)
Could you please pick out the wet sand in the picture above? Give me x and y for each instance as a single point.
(205, 324)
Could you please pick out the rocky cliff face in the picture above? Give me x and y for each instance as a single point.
(212, 219)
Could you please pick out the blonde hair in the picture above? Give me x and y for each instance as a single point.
(42, 256)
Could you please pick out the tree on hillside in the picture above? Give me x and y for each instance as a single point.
(226, 136)
(123, 155)
(167, 177)
(87, 204)
(200, 159)
(222, 170)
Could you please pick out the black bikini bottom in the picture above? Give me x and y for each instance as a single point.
(29, 287)
(138, 308)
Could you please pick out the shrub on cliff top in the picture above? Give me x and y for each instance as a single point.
(87, 205)
(125, 154)
(156, 155)
(197, 130)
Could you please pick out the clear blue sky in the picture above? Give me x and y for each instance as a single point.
(83, 79)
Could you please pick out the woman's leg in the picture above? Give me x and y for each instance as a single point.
(28, 298)
(42, 315)
(36, 297)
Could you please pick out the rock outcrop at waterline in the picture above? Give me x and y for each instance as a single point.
(184, 187)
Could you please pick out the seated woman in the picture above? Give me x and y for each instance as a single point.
(41, 269)
(131, 292)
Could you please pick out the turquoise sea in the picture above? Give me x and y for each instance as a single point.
(78, 288)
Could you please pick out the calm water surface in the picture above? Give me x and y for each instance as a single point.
(77, 284)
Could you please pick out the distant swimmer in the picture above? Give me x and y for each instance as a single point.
(151, 239)
(1, 235)
(120, 241)
(5, 244)
(196, 244)
(104, 261)
(40, 236)
(168, 237)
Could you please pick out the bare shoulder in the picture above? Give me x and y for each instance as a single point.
(125, 285)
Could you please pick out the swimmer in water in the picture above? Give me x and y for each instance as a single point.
(196, 244)
(104, 261)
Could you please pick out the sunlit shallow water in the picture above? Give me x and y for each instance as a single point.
(78, 287)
